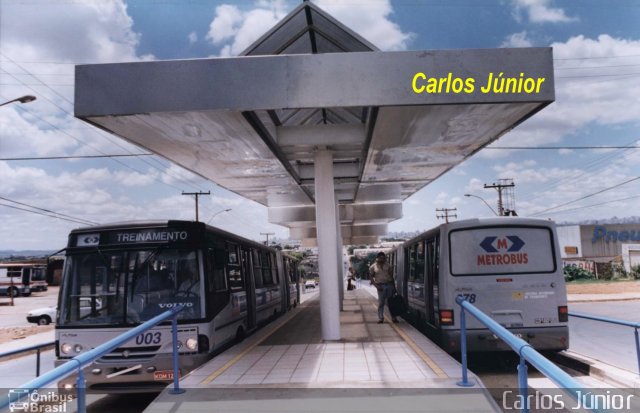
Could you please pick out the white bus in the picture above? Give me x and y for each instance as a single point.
(119, 275)
(18, 278)
(508, 267)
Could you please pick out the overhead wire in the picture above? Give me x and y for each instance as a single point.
(106, 136)
(587, 196)
(595, 205)
(58, 214)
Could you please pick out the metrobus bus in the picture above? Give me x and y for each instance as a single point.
(508, 267)
(119, 275)
(17, 278)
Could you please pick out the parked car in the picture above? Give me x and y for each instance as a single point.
(309, 284)
(46, 315)
(42, 316)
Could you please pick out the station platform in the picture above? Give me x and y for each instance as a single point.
(286, 367)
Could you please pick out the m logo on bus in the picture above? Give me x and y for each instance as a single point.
(502, 251)
(502, 244)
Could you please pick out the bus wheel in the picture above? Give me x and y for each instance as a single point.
(295, 303)
(240, 334)
(13, 292)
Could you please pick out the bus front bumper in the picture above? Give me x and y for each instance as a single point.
(131, 376)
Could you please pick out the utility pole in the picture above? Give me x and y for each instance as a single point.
(445, 212)
(197, 194)
(504, 183)
(267, 234)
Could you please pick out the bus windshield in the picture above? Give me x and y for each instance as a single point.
(129, 286)
(38, 274)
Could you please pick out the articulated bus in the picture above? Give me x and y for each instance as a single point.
(119, 275)
(22, 278)
(510, 268)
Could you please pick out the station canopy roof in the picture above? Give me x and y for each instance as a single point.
(253, 123)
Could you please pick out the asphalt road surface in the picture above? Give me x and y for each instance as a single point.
(609, 343)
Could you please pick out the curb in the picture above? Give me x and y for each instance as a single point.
(607, 373)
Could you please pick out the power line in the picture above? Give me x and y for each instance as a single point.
(588, 196)
(40, 213)
(76, 157)
(610, 75)
(561, 147)
(587, 168)
(596, 57)
(93, 130)
(49, 211)
(598, 204)
(593, 67)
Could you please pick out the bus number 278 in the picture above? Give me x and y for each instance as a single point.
(149, 338)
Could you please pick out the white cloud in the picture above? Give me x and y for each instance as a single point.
(517, 40)
(78, 32)
(581, 99)
(474, 185)
(234, 29)
(540, 11)
(241, 28)
(371, 19)
(193, 37)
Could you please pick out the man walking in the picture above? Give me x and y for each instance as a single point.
(382, 278)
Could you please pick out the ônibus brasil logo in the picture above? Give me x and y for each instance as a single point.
(502, 251)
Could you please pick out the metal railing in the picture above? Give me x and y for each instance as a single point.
(614, 321)
(79, 362)
(524, 350)
(38, 348)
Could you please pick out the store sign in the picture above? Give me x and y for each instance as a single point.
(582, 264)
(601, 233)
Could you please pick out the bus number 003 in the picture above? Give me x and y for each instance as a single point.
(149, 338)
(471, 298)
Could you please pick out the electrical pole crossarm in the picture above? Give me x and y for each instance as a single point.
(197, 194)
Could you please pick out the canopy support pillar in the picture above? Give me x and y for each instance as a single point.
(327, 220)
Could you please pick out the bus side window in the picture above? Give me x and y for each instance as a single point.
(274, 269)
(420, 263)
(217, 279)
(257, 268)
(234, 275)
(265, 259)
(412, 263)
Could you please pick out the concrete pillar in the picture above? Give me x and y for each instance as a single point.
(327, 224)
(340, 265)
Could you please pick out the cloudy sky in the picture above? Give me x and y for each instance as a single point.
(597, 67)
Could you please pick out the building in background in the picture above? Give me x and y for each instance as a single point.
(590, 246)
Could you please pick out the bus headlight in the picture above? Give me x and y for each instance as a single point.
(66, 348)
(191, 343)
(77, 348)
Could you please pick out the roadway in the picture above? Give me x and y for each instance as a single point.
(609, 343)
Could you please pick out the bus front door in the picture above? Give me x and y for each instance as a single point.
(250, 288)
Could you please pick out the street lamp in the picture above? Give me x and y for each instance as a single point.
(219, 212)
(485, 202)
(21, 99)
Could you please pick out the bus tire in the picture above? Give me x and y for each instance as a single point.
(13, 292)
